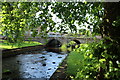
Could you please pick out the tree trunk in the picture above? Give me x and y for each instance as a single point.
(112, 11)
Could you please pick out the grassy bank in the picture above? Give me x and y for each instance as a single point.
(5, 45)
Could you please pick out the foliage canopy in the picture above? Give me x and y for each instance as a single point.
(18, 17)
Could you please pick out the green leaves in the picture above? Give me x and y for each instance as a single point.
(22, 15)
(34, 33)
(18, 17)
(70, 12)
(92, 57)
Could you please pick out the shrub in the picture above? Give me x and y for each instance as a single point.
(94, 61)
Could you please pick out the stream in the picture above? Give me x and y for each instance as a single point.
(37, 64)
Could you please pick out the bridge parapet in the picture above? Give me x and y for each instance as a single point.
(62, 39)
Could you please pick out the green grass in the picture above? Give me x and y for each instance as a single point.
(5, 45)
(75, 60)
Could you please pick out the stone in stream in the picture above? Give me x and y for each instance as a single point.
(53, 62)
(59, 57)
(43, 64)
(42, 57)
(49, 69)
(18, 61)
(50, 55)
(48, 75)
(32, 68)
(40, 71)
(45, 59)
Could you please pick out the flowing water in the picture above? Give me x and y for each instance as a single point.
(38, 64)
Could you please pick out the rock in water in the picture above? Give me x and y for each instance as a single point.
(43, 64)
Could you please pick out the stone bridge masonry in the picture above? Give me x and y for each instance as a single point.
(63, 39)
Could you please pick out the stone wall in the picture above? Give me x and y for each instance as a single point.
(16, 51)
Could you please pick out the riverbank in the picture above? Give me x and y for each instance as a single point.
(60, 73)
(12, 52)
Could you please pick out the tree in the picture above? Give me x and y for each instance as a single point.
(17, 17)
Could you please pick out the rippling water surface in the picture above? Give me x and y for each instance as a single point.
(36, 65)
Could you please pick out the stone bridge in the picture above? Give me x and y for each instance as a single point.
(54, 43)
(63, 40)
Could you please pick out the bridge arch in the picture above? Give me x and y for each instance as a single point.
(74, 43)
(77, 41)
(53, 43)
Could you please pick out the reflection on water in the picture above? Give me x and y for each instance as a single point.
(32, 65)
